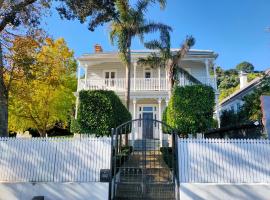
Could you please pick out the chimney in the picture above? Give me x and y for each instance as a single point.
(98, 48)
(243, 79)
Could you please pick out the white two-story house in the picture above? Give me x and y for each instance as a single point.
(149, 86)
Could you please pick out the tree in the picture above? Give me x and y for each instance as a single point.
(12, 15)
(228, 81)
(131, 23)
(96, 11)
(245, 66)
(167, 59)
(190, 109)
(43, 94)
(252, 103)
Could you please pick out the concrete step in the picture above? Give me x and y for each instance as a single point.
(147, 144)
(131, 175)
(151, 191)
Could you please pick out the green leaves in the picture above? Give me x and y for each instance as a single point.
(252, 102)
(99, 111)
(245, 66)
(132, 23)
(190, 109)
(44, 97)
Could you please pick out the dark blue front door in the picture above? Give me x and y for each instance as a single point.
(147, 126)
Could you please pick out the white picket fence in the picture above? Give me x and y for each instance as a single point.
(224, 161)
(53, 159)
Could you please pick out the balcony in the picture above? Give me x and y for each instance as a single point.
(140, 84)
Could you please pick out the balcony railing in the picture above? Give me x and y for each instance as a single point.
(140, 84)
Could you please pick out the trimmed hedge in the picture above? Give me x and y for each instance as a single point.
(99, 111)
(190, 109)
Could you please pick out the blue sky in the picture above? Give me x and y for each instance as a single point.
(235, 29)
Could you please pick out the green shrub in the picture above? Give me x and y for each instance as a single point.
(100, 111)
(164, 119)
(167, 156)
(74, 125)
(190, 109)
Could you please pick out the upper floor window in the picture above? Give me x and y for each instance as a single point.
(109, 78)
(110, 74)
(147, 73)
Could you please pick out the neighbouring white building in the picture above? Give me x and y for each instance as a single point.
(149, 86)
(235, 101)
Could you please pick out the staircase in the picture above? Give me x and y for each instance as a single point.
(145, 176)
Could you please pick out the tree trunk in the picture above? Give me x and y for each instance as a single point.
(3, 114)
(127, 92)
(3, 99)
(171, 79)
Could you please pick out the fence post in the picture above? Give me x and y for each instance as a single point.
(175, 163)
(111, 170)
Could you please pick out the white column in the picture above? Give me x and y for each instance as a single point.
(134, 117)
(167, 78)
(134, 76)
(78, 77)
(167, 101)
(159, 83)
(207, 71)
(78, 90)
(160, 119)
(85, 77)
(217, 108)
(215, 76)
(77, 105)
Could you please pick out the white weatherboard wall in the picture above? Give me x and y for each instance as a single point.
(224, 169)
(53, 164)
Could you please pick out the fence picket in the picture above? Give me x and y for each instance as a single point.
(224, 161)
(53, 159)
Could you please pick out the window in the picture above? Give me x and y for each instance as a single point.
(112, 75)
(147, 73)
(109, 78)
(148, 109)
(107, 75)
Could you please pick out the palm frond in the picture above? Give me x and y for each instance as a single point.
(189, 42)
(153, 27)
(154, 44)
(123, 8)
(141, 6)
(153, 61)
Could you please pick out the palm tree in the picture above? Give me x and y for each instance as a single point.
(163, 57)
(130, 23)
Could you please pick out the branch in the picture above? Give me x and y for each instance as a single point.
(16, 8)
(1, 3)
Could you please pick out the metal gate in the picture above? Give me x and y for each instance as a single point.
(141, 168)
